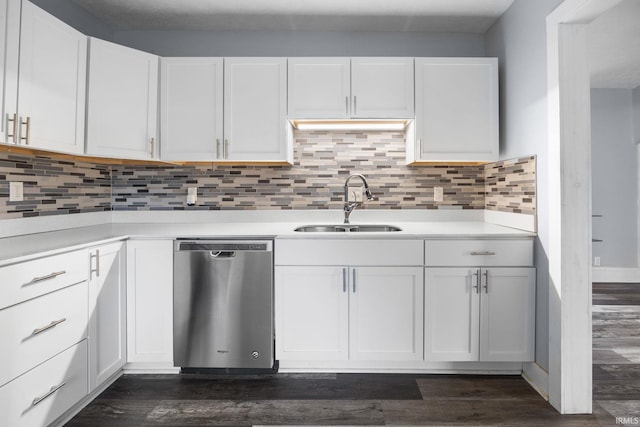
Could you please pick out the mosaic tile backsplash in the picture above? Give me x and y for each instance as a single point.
(322, 162)
(53, 187)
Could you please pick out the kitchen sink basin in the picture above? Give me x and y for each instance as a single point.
(347, 228)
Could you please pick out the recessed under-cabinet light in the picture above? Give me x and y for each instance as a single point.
(350, 124)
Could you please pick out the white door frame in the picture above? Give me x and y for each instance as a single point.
(568, 96)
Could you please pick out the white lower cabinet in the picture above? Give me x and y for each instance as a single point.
(149, 304)
(385, 313)
(47, 391)
(107, 311)
(312, 313)
(345, 313)
(41, 328)
(479, 314)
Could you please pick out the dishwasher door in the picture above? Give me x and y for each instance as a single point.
(223, 304)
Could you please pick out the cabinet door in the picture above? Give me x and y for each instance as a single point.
(191, 108)
(382, 87)
(451, 314)
(107, 310)
(319, 88)
(456, 109)
(52, 82)
(150, 304)
(311, 313)
(10, 33)
(255, 97)
(122, 101)
(385, 313)
(507, 326)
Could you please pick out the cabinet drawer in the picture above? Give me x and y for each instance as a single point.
(43, 394)
(348, 252)
(41, 328)
(30, 279)
(491, 253)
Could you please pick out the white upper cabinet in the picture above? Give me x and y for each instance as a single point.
(52, 82)
(341, 88)
(191, 102)
(319, 88)
(456, 110)
(255, 107)
(122, 102)
(382, 87)
(10, 32)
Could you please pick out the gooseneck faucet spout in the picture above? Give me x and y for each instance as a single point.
(351, 206)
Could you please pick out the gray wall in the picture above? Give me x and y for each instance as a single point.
(614, 178)
(518, 39)
(300, 43)
(76, 17)
(271, 43)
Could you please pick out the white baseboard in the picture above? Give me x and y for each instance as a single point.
(537, 377)
(615, 275)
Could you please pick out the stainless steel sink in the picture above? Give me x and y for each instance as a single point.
(347, 228)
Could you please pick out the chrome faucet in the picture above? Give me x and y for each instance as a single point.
(350, 207)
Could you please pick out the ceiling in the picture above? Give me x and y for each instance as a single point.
(614, 47)
(460, 16)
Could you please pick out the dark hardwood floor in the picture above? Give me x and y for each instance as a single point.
(385, 399)
(616, 353)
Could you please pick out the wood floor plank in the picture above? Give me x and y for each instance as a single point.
(271, 412)
(476, 387)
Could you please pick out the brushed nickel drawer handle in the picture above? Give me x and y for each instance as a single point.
(49, 326)
(49, 393)
(482, 253)
(48, 276)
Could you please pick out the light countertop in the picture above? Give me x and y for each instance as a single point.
(22, 248)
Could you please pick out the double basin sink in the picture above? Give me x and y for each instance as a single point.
(347, 228)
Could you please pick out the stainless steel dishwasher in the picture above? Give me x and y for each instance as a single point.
(223, 305)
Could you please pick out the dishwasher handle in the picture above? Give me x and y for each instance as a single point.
(224, 246)
(222, 254)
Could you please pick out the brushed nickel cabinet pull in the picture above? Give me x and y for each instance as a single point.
(48, 276)
(355, 108)
(346, 105)
(225, 149)
(49, 326)
(476, 280)
(153, 147)
(486, 281)
(353, 273)
(97, 257)
(12, 119)
(217, 149)
(27, 132)
(49, 393)
(477, 253)
(344, 280)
